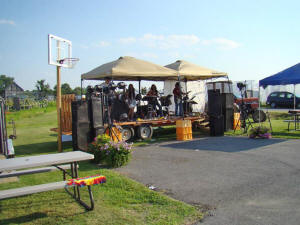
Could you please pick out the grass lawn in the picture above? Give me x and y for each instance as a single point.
(279, 128)
(119, 201)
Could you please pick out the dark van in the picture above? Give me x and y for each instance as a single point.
(282, 99)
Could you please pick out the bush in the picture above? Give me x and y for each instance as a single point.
(113, 154)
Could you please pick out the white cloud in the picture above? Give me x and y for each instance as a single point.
(128, 40)
(101, 44)
(9, 22)
(169, 41)
(175, 41)
(222, 43)
(162, 41)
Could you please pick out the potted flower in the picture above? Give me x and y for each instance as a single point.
(260, 132)
(114, 154)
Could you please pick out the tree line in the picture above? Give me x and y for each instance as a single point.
(42, 88)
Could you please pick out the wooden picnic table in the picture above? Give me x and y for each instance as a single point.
(29, 164)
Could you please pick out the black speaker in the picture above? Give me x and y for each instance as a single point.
(97, 113)
(214, 103)
(227, 110)
(227, 101)
(84, 136)
(81, 126)
(228, 119)
(96, 116)
(216, 124)
(118, 108)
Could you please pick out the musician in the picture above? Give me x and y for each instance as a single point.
(154, 93)
(107, 82)
(130, 96)
(178, 99)
(109, 93)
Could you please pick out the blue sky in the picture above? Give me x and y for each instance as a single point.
(247, 39)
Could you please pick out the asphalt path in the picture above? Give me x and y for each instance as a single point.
(238, 180)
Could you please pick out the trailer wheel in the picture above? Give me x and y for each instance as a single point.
(127, 133)
(145, 132)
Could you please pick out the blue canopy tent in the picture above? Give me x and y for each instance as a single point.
(290, 75)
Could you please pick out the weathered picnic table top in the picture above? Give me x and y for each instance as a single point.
(43, 160)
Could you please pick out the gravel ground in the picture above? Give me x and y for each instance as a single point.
(238, 180)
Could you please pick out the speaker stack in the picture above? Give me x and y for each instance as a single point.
(97, 116)
(81, 125)
(87, 122)
(227, 110)
(216, 119)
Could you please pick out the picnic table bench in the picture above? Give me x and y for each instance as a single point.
(16, 166)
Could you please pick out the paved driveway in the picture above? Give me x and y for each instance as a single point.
(241, 181)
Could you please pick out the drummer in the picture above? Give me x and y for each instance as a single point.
(154, 93)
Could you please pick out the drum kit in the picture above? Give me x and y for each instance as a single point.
(188, 103)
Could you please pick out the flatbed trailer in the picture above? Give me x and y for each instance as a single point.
(143, 128)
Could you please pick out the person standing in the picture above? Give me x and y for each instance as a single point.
(154, 93)
(108, 96)
(178, 99)
(130, 94)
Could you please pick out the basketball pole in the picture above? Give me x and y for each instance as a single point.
(58, 101)
(58, 106)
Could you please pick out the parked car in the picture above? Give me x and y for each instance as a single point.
(282, 99)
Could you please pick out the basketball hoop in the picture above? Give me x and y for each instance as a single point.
(68, 62)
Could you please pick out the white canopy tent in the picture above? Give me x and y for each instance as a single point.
(194, 77)
(128, 68)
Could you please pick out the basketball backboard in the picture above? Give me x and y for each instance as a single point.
(59, 50)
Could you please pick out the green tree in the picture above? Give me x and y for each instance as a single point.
(5, 81)
(77, 91)
(65, 89)
(42, 88)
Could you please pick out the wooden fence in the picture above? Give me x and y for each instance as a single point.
(66, 112)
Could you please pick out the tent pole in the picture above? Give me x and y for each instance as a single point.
(294, 96)
(181, 103)
(139, 85)
(81, 88)
(186, 105)
(259, 105)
